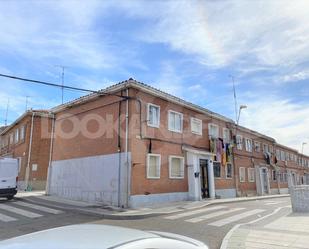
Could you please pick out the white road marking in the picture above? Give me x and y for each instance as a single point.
(234, 218)
(40, 208)
(274, 203)
(189, 213)
(212, 215)
(19, 211)
(6, 218)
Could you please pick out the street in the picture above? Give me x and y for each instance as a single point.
(209, 224)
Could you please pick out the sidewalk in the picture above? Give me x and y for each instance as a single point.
(110, 212)
(288, 232)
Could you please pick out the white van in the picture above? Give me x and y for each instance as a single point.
(8, 177)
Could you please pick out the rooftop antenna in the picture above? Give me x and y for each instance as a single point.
(27, 97)
(62, 80)
(6, 113)
(235, 97)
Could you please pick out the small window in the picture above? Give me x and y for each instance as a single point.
(176, 167)
(213, 130)
(251, 175)
(11, 138)
(22, 133)
(217, 169)
(153, 115)
(282, 155)
(16, 136)
(34, 167)
(248, 145)
(196, 126)
(274, 175)
(265, 148)
(257, 146)
(153, 166)
(175, 121)
(229, 170)
(242, 174)
(226, 135)
(239, 142)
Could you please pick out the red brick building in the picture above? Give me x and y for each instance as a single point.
(28, 139)
(133, 145)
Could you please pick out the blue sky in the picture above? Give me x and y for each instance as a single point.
(187, 48)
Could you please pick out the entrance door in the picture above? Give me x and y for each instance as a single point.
(204, 178)
(264, 181)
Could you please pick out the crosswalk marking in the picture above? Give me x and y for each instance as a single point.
(234, 218)
(19, 211)
(213, 215)
(40, 208)
(189, 213)
(6, 218)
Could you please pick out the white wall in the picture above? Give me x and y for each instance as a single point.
(92, 179)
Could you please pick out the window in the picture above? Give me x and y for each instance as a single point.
(239, 142)
(16, 136)
(229, 170)
(265, 148)
(11, 138)
(274, 175)
(217, 169)
(226, 135)
(278, 154)
(22, 133)
(271, 149)
(257, 146)
(153, 166)
(248, 145)
(175, 121)
(213, 130)
(282, 155)
(196, 126)
(153, 115)
(242, 174)
(251, 175)
(34, 167)
(176, 167)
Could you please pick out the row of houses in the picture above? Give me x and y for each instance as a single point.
(132, 145)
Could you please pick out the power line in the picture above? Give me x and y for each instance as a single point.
(60, 86)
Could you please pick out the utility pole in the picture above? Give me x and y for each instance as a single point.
(62, 80)
(27, 97)
(235, 97)
(7, 112)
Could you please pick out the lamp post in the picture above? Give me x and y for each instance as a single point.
(302, 147)
(240, 108)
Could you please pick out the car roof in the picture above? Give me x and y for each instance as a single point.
(77, 236)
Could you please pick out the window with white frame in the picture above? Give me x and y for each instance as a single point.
(16, 135)
(251, 175)
(242, 174)
(213, 130)
(217, 169)
(153, 166)
(239, 142)
(271, 149)
(248, 145)
(175, 120)
(22, 133)
(278, 154)
(257, 146)
(196, 126)
(282, 155)
(226, 135)
(229, 170)
(176, 167)
(153, 115)
(265, 148)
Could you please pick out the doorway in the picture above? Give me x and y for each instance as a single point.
(204, 178)
(264, 178)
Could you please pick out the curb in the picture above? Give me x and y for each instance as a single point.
(119, 216)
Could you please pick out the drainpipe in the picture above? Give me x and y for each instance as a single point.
(128, 166)
(49, 171)
(30, 148)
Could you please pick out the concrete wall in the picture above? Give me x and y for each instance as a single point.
(300, 198)
(226, 193)
(92, 179)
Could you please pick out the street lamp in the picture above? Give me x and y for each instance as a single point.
(302, 147)
(240, 108)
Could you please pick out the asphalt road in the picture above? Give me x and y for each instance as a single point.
(208, 224)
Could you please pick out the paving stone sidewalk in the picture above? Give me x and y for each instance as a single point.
(288, 232)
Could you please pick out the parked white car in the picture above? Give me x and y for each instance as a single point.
(92, 236)
(8, 177)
